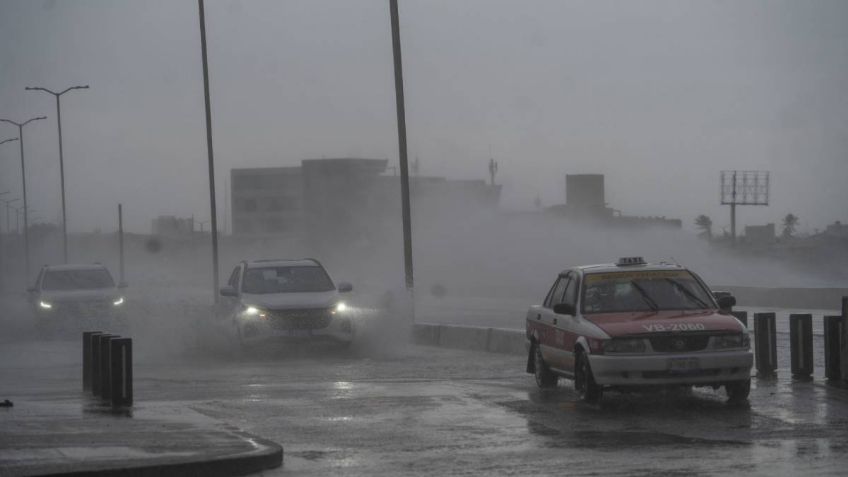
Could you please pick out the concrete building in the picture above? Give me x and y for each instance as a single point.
(171, 226)
(266, 201)
(760, 235)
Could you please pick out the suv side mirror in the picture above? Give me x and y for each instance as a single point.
(726, 302)
(122, 284)
(345, 287)
(564, 309)
(228, 291)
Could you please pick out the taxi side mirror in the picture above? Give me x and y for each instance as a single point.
(726, 302)
(564, 309)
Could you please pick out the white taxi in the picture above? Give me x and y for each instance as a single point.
(632, 324)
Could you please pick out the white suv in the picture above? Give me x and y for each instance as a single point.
(83, 294)
(286, 299)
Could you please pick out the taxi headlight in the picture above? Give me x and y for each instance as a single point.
(741, 340)
(45, 305)
(119, 301)
(630, 345)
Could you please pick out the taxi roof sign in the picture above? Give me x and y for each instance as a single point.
(626, 261)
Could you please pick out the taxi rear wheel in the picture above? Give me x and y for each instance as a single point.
(545, 378)
(584, 382)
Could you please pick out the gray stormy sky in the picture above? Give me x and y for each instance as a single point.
(658, 95)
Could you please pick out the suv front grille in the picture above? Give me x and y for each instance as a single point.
(301, 319)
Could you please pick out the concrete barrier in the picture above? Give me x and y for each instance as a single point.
(797, 298)
(478, 338)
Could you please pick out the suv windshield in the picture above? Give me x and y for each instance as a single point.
(644, 291)
(286, 280)
(63, 280)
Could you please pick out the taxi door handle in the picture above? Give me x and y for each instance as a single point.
(555, 321)
(538, 316)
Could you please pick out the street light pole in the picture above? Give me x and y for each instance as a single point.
(404, 168)
(23, 183)
(214, 216)
(61, 160)
(8, 211)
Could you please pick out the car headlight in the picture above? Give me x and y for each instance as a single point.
(45, 305)
(119, 301)
(254, 312)
(341, 307)
(741, 340)
(630, 345)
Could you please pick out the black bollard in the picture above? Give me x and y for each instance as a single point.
(765, 338)
(95, 364)
(801, 344)
(832, 338)
(843, 361)
(121, 380)
(741, 316)
(106, 366)
(87, 358)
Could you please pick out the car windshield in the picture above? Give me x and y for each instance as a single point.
(66, 280)
(286, 280)
(644, 291)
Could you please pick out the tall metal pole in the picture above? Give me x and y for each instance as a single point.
(121, 243)
(214, 216)
(733, 212)
(404, 168)
(23, 185)
(61, 161)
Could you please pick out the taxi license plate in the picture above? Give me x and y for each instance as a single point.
(683, 364)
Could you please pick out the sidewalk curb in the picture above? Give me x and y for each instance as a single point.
(268, 455)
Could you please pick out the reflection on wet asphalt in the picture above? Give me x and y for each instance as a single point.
(432, 411)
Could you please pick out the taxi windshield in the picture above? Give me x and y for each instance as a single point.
(644, 291)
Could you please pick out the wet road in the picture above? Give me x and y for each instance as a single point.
(432, 411)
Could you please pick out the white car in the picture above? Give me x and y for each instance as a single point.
(293, 300)
(632, 324)
(76, 295)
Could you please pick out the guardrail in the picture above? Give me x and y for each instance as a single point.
(107, 367)
(499, 340)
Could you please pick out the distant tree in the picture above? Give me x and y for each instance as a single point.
(789, 224)
(705, 224)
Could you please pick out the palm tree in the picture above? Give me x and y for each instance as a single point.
(789, 224)
(705, 224)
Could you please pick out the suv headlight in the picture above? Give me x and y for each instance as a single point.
(628, 345)
(741, 340)
(119, 301)
(341, 307)
(45, 305)
(254, 312)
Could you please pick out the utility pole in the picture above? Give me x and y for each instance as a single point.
(23, 185)
(121, 243)
(493, 170)
(404, 166)
(214, 215)
(61, 161)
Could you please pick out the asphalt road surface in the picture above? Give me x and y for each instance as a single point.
(415, 410)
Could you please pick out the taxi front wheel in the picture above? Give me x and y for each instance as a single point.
(584, 382)
(545, 378)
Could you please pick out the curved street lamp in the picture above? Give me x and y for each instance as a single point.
(23, 182)
(61, 159)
